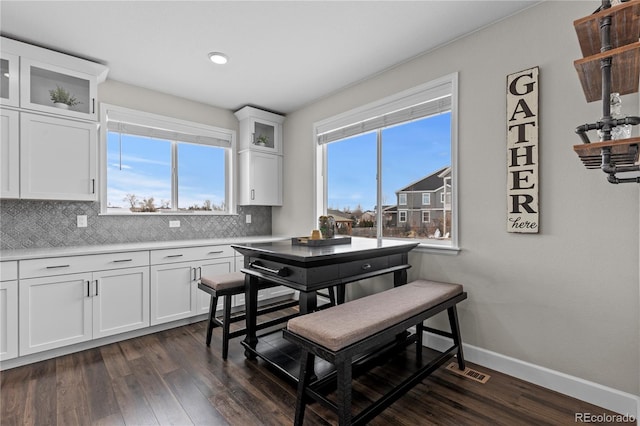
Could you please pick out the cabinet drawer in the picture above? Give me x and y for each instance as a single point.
(359, 267)
(75, 264)
(190, 253)
(8, 271)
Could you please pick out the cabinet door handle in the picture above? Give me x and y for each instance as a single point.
(199, 272)
(93, 186)
(93, 105)
(175, 255)
(58, 266)
(253, 194)
(122, 260)
(96, 287)
(88, 288)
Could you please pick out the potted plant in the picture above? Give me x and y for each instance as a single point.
(262, 140)
(62, 99)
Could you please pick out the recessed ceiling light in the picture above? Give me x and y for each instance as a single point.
(218, 58)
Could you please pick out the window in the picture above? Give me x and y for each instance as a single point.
(397, 150)
(155, 164)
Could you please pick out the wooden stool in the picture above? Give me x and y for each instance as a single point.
(227, 285)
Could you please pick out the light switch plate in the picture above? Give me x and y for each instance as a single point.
(81, 220)
(174, 224)
(248, 218)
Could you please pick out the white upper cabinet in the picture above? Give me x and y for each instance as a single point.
(9, 78)
(58, 158)
(49, 123)
(260, 157)
(49, 81)
(260, 130)
(57, 90)
(9, 154)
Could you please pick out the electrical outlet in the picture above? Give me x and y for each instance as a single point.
(248, 218)
(174, 224)
(81, 220)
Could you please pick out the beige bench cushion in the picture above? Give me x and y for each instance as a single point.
(343, 325)
(224, 281)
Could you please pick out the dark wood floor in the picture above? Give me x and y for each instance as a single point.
(171, 377)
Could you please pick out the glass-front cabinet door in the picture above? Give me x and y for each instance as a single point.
(49, 88)
(9, 86)
(265, 135)
(260, 130)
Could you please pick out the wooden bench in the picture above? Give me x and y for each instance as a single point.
(342, 332)
(225, 286)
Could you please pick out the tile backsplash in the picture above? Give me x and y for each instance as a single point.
(36, 224)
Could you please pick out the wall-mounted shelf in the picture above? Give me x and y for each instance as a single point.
(624, 152)
(609, 43)
(625, 71)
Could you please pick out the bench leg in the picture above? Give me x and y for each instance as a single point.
(343, 394)
(306, 372)
(455, 330)
(419, 333)
(212, 315)
(226, 324)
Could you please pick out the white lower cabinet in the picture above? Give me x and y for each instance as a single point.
(121, 301)
(69, 308)
(174, 280)
(8, 310)
(54, 312)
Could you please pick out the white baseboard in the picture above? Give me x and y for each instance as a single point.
(575, 387)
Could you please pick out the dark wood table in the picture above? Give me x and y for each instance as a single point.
(309, 269)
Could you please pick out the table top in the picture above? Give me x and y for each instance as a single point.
(357, 249)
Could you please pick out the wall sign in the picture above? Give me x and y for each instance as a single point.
(522, 151)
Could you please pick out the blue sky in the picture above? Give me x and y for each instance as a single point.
(145, 170)
(410, 151)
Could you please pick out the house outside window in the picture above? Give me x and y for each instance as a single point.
(154, 164)
(388, 157)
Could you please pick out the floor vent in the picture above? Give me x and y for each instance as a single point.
(469, 373)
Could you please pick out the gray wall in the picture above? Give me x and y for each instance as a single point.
(33, 224)
(565, 299)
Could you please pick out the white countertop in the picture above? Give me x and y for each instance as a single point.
(40, 253)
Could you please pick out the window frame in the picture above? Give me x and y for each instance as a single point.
(422, 93)
(428, 196)
(428, 212)
(402, 199)
(404, 213)
(178, 125)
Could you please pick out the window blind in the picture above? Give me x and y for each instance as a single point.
(402, 110)
(150, 126)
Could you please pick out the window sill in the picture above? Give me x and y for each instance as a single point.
(165, 214)
(437, 249)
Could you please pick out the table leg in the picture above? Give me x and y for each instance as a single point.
(399, 278)
(251, 308)
(308, 302)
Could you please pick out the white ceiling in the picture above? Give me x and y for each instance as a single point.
(283, 54)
